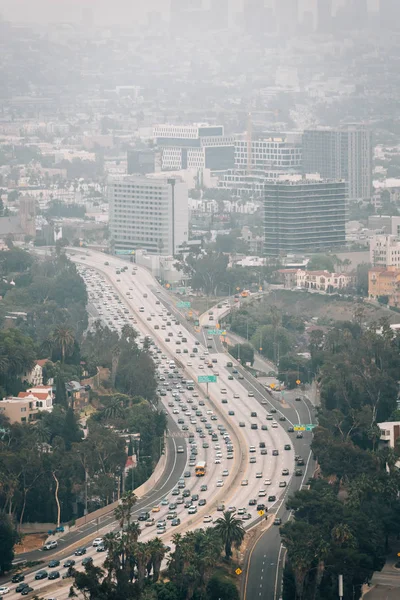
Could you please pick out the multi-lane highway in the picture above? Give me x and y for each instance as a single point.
(239, 430)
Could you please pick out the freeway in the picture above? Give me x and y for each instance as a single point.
(263, 574)
(247, 460)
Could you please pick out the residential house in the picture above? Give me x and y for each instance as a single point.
(288, 277)
(324, 281)
(35, 375)
(390, 433)
(26, 406)
(385, 281)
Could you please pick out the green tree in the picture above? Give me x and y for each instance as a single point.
(8, 538)
(63, 338)
(231, 531)
(243, 352)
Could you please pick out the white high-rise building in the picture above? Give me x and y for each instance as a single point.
(148, 213)
(384, 251)
(196, 146)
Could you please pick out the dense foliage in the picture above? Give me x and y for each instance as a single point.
(343, 523)
(132, 569)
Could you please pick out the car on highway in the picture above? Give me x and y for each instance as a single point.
(272, 498)
(155, 509)
(97, 542)
(253, 459)
(175, 522)
(80, 551)
(287, 447)
(88, 560)
(17, 578)
(277, 521)
(262, 493)
(192, 510)
(54, 575)
(275, 453)
(41, 575)
(298, 472)
(50, 545)
(4, 589)
(250, 394)
(220, 483)
(282, 484)
(252, 502)
(204, 487)
(21, 587)
(244, 482)
(259, 475)
(27, 590)
(53, 563)
(69, 563)
(285, 471)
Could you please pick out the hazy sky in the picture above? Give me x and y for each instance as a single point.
(105, 11)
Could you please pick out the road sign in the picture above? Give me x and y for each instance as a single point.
(299, 427)
(238, 571)
(261, 512)
(183, 305)
(310, 426)
(207, 379)
(215, 332)
(272, 386)
(298, 382)
(124, 252)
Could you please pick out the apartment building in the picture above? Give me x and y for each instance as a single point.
(384, 251)
(148, 213)
(385, 281)
(344, 153)
(269, 153)
(197, 146)
(304, 215)
(323, 281)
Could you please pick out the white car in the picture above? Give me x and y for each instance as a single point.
(4, 590)
(223, 391)
(220, 483)
(208, 519)
(217, 461)
(97, 542)
(189, 364)
(225, 473)
(267, 482)
(245, 482)
(274, 424)
(236, 396)
(262, 493)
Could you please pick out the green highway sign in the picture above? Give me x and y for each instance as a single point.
(183, 305)
(124, 252)
(207, 379)
(308, 427)
(216, 332)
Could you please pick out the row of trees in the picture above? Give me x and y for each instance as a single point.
(343, 523)
(132, 569)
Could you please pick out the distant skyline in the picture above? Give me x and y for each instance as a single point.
(118, 11)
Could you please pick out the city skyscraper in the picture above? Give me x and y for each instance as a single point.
(287, 15)
(304, 214)
(389, 11)
(344, 153)
(324, 15)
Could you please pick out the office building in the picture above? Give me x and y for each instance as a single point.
(141, 162)
(344, 153)
(279, 152)
(287, 15)
(198, 146)
(148, 213)
(304, 215)
(324, 16)
(389, 13)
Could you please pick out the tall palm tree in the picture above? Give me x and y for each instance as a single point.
(115, 354)
(123, 511)
(142, 555)
(41, 432)
(63, 338)
(158, 552)
(230, 531)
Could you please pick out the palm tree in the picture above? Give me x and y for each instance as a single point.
(115, 354)
(158, 552)
(41, 432)
(114, 410)
(142, 555)
(63, 338)
(123, 511)
(230, 531)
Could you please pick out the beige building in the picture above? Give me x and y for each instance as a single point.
(35, 376)
(315, 280)
(26, 406)
(385, 282)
